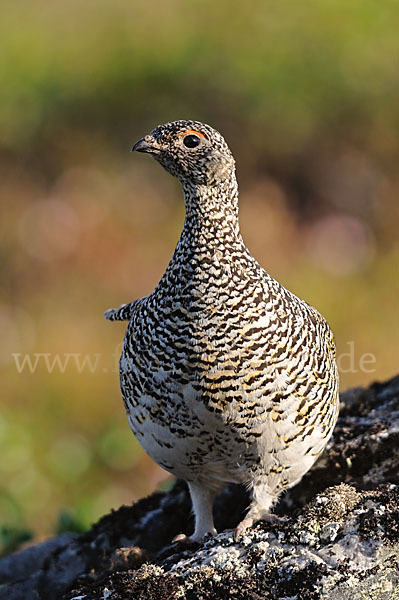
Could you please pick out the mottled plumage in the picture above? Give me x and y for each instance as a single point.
(226, 376)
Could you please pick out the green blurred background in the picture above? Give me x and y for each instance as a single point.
(306, 95)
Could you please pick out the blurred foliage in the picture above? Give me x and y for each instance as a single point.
(12, 537)
(305, 93)
(68, 522)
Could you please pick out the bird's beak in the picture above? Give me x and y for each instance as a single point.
(146, 145)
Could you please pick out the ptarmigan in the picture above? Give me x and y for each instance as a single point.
(226, 376)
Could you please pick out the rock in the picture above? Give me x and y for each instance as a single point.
(20, 572)
(337, 539)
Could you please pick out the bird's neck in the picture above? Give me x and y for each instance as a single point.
(211, 212)
(210, 233)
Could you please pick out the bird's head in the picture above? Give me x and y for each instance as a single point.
(193, 152)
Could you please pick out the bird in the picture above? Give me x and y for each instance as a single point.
(226, 376)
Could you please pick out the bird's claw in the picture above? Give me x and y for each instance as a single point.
(248, 522)
(182, 538)
(242, 527)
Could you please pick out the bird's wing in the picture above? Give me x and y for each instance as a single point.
(123, 313)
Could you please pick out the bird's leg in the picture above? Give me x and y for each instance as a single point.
(202, 500)
(259, 509)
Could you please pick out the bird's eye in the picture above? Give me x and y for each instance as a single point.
(191, 140)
